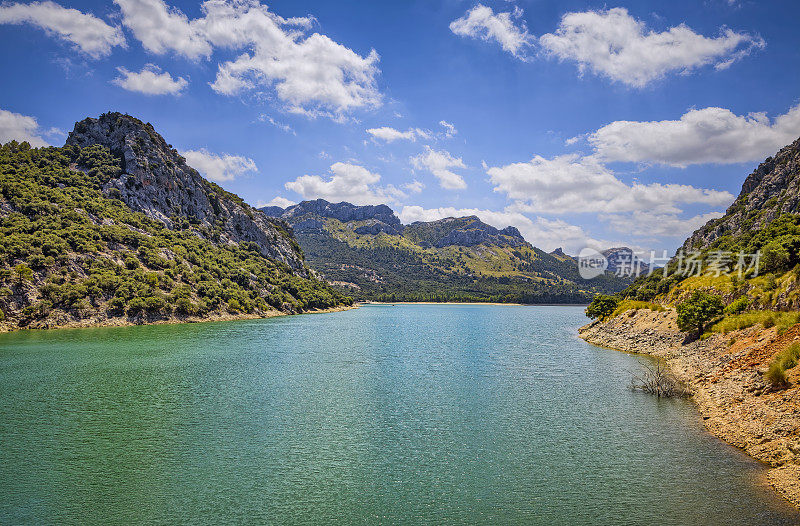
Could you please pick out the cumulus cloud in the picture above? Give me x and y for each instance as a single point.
(645, 224)
(570, 183)
(150, 81)
(547, 234)
(310, 74)
(385, 133)
(439, 164)
(14, 126)
(708, 135)
(347, 182)
(506, 29)
(84, 31)
(614, 44)
(414, 186)
(276, 201)
(219, 168)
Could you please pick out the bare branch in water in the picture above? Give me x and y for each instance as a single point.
(657, 379)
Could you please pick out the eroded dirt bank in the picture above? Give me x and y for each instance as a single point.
(725, 373)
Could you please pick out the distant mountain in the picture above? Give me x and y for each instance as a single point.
(115, 227)
(623, 260)
(369, 252)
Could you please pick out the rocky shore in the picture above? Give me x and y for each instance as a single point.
(68, 322)
(725, 375)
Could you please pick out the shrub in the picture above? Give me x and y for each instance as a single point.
(774, 257)
(234, 306)
(738, 305)
(699, 309)
(24, 272)
(601, 307)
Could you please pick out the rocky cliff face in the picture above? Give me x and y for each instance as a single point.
(157, 182)
(462, 231)
(771, 190)
(343, 212)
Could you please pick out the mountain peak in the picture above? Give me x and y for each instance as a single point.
(771, 190)
(157, 182)
(463, 231)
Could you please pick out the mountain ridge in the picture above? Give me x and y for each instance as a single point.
(371, 253)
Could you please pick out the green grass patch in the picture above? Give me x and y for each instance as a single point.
(783, 361)
(783, 320)
(628, 305)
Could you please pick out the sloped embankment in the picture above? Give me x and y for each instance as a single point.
(725, 373)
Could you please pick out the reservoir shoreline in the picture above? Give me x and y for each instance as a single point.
(725, 375)
(171, 320)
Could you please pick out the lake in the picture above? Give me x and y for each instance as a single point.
(384, 414)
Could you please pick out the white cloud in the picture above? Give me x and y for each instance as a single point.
(276, 201)
(85, 31)
(347, 182)
(614, 44)
(388, 134)
(14, 126)
(219, 168)
(280, 125)
(310, 74)
(161, 28)
(504, 28)
(439, 164)
(449, 129)
(570, 183)
(150, 81)
(648, 225)
(414, 186)
(708, 135)
(543, 233)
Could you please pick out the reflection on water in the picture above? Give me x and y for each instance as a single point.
(416, 413)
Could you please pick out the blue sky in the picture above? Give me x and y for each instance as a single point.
(581, 123)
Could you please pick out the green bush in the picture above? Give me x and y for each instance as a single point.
(601, 307)
(699, 309)
(24, 272)
(738, 306)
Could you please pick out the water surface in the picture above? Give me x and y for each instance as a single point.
(405, 414)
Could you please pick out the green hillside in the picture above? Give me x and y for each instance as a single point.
(71, 249)
(454, 259)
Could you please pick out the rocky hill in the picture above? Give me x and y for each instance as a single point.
(156, 181)
(115, 228)
(771, 191)
(759, 235)
(367, 251)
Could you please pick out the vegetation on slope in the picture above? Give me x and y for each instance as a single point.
(384, 267)
(67, 252)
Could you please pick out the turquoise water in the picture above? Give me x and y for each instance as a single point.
(407, 414)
